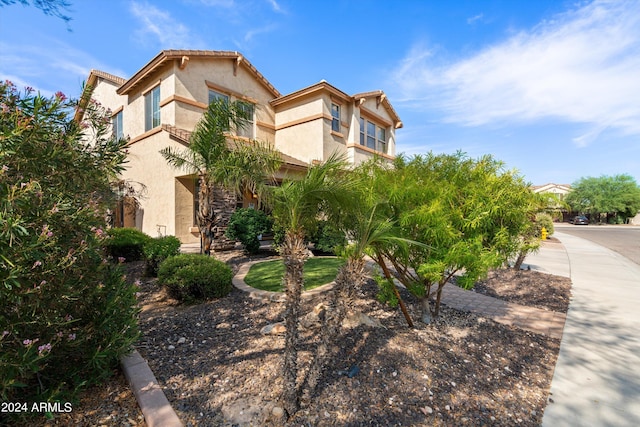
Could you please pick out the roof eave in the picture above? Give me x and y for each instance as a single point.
(169, 55)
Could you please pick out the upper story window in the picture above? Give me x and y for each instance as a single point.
(335, 117)
(152, 108)
(373, 136)
(381, 141)
(246, 130)
(118, 131)
(213, 95)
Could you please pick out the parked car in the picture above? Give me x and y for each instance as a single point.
(580, 220)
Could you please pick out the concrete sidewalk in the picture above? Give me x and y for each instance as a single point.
(597, 377)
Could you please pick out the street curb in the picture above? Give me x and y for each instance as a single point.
(154, 404)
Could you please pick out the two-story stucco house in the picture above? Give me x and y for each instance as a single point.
(160, 105)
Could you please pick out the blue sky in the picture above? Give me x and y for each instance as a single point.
(550, 87)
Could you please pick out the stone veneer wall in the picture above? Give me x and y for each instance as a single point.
(223, 206)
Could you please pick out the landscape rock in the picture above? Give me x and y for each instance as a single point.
(314, 319)
(358, 318)
(274, 329)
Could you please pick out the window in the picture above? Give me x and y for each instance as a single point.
(118, 132)
(152, 109)
(382, 140)
(335, 117)
(246, 128)
(373, 136)
(213, 95)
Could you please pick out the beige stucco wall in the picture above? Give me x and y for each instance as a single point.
(190, 84)
(133, 117)
(300, 129)
(105, 92)
(158, 205)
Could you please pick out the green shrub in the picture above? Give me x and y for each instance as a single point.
(386, 294)
(327, 238)
(246, 225)
(126, 244)
(192, 278)
(66, 315)
(543, 220)
(157, 250)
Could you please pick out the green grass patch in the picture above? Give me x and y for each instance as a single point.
(318, 271)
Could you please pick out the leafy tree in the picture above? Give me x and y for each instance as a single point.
(66, 314)
(468, 214)
(612, 196)
(297, 205)
(235, 166)
(48, 7)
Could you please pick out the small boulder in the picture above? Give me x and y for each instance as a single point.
(274, 329)
(314, 319)
(358, 318)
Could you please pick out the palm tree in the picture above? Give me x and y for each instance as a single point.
(220, 160)
(297, 205)
(367, 228)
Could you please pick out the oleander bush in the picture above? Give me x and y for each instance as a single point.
(126, 244)
(192, 278)
(157, 250)
(66, 314)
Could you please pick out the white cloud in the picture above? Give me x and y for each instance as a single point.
(476, 18)
(275, 6)
(582, 66)
(66, 67)
(219, 3)
(162, 26)
(255, 31)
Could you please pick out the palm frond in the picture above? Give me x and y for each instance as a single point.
(185, 159)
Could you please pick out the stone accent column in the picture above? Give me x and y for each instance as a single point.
(223, 207)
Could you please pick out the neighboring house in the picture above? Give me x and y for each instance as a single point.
(560, 191)
(160, 105)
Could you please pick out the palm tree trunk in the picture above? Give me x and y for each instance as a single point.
(206, 215)
(294, 254)
(349, 278)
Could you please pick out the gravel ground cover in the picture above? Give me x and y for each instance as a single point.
(218, 369)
